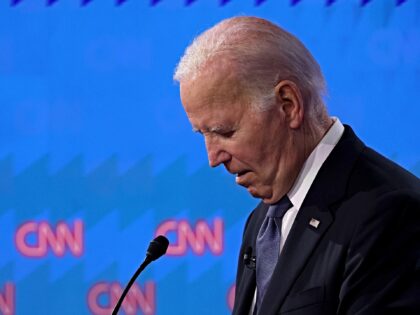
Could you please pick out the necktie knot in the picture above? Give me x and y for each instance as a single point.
(278, 209)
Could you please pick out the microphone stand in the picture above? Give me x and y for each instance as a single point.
(147, 261)
(156, 249)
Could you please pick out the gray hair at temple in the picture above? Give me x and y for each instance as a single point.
(264, 54)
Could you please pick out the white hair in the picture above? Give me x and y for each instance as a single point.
(263, 54)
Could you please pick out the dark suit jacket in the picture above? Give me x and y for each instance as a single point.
(364, 256)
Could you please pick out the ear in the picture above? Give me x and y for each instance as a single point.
(291, 102)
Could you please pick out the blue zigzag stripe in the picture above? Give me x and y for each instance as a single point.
(221, 2)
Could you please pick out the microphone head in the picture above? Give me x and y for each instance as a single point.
(157, 247)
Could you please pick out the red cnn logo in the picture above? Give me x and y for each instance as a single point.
(136, 299)
(194, 237)
(231, 297)
(45, 236)
(7, 299)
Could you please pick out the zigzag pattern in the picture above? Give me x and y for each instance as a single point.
(115, 207)
(121, 211)
(221, 2)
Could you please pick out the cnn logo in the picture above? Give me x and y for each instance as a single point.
(197, 237)
(7, 299)
(103, 296)
(34, 239)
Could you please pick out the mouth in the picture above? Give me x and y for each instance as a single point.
(241, 179)
(239, 174)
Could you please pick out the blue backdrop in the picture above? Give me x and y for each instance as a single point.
(97, 156)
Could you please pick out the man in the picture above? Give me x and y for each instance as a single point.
(338, 227)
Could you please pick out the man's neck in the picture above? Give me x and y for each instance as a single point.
(312, 134)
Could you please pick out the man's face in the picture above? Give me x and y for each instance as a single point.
(254, 146)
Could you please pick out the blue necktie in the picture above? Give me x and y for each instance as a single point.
(268, 246)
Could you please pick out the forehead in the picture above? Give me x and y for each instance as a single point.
(217, 85)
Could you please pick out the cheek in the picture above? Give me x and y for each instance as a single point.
(253, 152)
(258, 147)
(270, 159)
(257, 160)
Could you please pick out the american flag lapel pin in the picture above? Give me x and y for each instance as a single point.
(314, 223)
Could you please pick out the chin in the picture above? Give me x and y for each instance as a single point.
(256, 193)
(270, 200)
(253, 192)
(268, 197)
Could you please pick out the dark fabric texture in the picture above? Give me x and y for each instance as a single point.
(364, 256)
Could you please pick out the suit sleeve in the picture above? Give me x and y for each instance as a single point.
(382, 271)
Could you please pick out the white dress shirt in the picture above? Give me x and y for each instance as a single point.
(305, 179)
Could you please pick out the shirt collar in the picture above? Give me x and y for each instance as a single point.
(314, 162)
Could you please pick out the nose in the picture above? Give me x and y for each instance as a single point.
(215, 152)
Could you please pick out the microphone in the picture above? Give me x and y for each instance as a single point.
(249, 260)
(157, 248)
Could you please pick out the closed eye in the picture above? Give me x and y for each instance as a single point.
(227, 134)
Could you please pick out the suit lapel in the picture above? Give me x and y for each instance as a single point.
(246, 284)
(243, 298)
(299, 246)
(328, 187)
